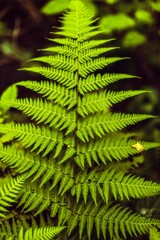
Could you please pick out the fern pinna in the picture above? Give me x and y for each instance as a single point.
(68, 162)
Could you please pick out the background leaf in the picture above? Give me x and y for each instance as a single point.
(119, 21)
(9, 93)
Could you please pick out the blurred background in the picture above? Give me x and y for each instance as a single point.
(25, 24)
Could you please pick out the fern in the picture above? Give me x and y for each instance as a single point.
(18, 228)
(154, 234)
(10, 191)
(40, 233)
(70, 160)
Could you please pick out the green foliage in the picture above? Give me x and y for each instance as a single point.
(65, 163)
(134, 39)
(58, 6)
(154, 234)
(109, 23)
(9, 93)
(144, 16)
(136, 21)
(155, 6)
(18, 228)
(46, 233)
(10, 191)
(111, 1)
(54, 7)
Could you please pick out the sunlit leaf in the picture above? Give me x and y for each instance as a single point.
(109, 23)
(134, 39)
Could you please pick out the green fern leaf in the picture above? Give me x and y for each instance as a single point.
(97, 63)
(59, 61)
(99, 125)
(29, 135)
(122, 186)
(154, 234)
(90, 53)
(66, 180)
(17, 159)
(65, 41)
(114, 218)
(73, 126)
(52, 91)
(23, 162)
(108, 149)
(95, 82)
(91, 44)
(12, 225)
(95, 102)
(35, 197)
(10, 191)
(46, 112)
(66, 50)
(44, 233)
(66, 78)
(42, 138)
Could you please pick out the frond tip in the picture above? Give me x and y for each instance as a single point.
(10, 191)
(99, 125)
(43, 233)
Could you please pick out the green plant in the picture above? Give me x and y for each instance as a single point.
(64, 166)
(154, 234)
(58, 6)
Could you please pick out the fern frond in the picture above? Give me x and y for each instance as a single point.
(52, 91)
(97, 63)
(16, 158)
(5, 138)
(78, 13)
(59, 61)
(72, 126)
(61, 208)
(95, 82)
(90, 53)
(92, 43)
(95, 102)
(66, 50)
(10, 191)
(69, 20)
(23, 161)
(65, 78)
(65, 41)
(43, 233)
(116, 97)
(87, 35)
(45, 112)
(35, 198)
(12, 224)
(40, 139)
(154, 234)
(83, 35)
(100, 125)
(121, 186)
(108, 149)
(113, 219)
(128, 165)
